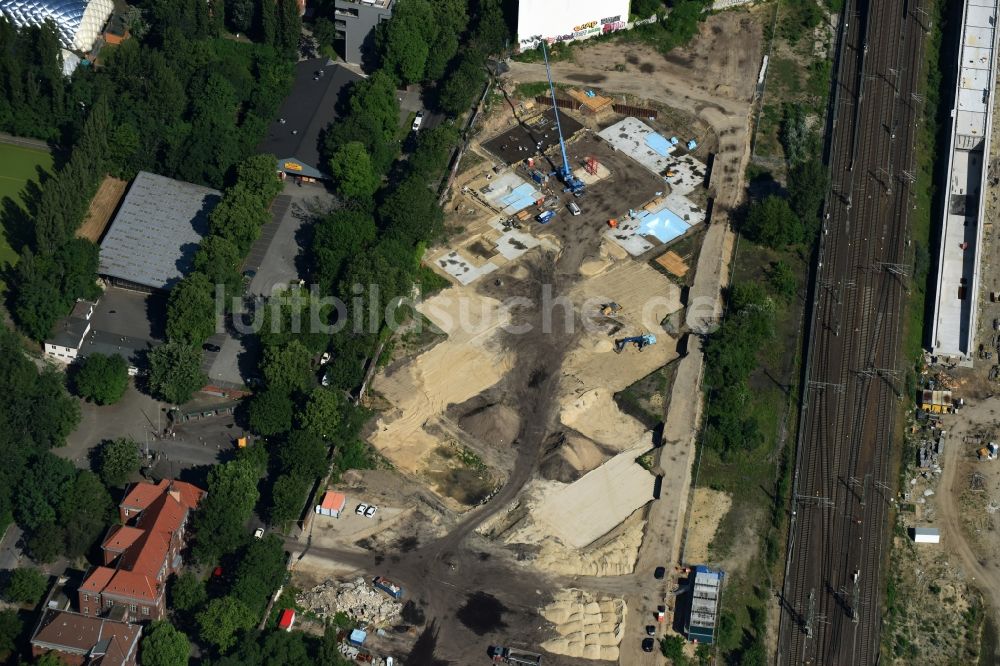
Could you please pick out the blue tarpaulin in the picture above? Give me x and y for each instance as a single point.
(357, 637)
(658, 144)
(664, 225)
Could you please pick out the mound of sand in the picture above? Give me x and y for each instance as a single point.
(569, 456)
(615, 557)
(595, 414)
(589, 627)
(593, 267)
(494, 424)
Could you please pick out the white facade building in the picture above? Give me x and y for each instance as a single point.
(568, 20)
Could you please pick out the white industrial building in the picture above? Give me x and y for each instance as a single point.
(79, 22)
(960, 255)
(568, 20)
(925, 535)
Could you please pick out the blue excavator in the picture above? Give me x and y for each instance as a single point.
(572, 183)
(640, 342)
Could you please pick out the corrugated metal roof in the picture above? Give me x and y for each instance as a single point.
(153, 239)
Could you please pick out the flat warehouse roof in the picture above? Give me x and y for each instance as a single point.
(156, 233)
(960, 253)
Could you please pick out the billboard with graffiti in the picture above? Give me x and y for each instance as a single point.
(566, 20)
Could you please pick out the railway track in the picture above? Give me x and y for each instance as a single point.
(831, 595)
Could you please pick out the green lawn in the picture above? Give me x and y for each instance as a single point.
(18, 165)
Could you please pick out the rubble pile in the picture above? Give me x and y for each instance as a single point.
(357, 598)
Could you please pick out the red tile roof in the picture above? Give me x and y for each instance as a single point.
(145, 546)
(121, 537)
(97, 580)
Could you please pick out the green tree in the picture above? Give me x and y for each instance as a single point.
(222, 619)
(43, 485)
(339, 237)
(256, 175)
(86, 511)
(239, 15)
(405, 39)
(260, 572)
(303, 455)
(11, 627)
(220, 520)
(321, 416)
(645, 8)
(175, 372)
(49, 659)
(271, 412)
(287, 497)
(45, 542)
(288, 648)
(771, 222)
(191, 310)
(324, 31)
(807, 186)
(117, 461)
(163, 645)
(187, 593)
(352, 172)
(26, 586)
(672, 648)
(102, 379)
(782, 280)
(238, 217)
(288, 368)
(218, 259)
(289, 26)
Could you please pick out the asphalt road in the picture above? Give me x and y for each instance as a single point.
(831, 599)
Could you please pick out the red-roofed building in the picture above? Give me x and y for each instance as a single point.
(140, 554)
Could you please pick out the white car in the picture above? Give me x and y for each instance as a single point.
(258, 533)
(325, 358)
(362, 508)
(418, 121)
(370, 511)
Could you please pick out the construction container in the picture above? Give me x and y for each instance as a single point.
(925, 535)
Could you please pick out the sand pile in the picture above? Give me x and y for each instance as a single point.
(589, 627)
(708, 508)
(615, 557)
(568, 456)
(467, 363)
(494, 424)
(595, 415)
(357, 598)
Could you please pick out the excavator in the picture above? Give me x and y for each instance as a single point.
(610, 309)
(640, 342)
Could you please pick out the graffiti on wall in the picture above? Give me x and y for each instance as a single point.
(582, 31)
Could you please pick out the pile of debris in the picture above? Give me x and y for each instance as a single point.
(357, 598)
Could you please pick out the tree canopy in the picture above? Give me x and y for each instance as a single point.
(101, 379)
(175, 372)
(219, 522)
(191, 310)
(772, 222)
(164, 645)
(117, 461)
(26, 586)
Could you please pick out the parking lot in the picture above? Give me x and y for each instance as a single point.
(275, 261)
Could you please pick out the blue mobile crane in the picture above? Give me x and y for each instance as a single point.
(572, 183)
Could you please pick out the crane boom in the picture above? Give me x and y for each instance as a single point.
(565, 173)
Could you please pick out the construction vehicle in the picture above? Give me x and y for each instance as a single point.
(640, 342)
(506, 655)
(545, 216)
(572, 183)
(387, 586)
(610, 309)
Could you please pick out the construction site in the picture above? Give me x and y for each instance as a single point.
(589, 243)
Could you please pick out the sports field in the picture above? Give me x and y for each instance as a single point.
(18, 165)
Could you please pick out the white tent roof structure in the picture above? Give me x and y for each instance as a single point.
(79, 21)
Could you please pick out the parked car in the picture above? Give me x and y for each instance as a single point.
(661, 613)
(650, 629)
(418, 121)
(647, 644)
(659, 573)
(209, 347)
(361, 509)
(258, 533)
(325, 358)
(370, 511)
(573, 208)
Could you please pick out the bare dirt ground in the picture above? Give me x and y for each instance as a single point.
(708, 507)
(102, 207)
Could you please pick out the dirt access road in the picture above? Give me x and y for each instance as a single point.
(984, 573)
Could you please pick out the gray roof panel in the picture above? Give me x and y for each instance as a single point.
(156, 233)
